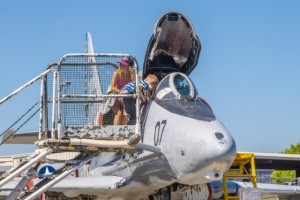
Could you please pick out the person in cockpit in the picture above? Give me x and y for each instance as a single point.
(146, 87)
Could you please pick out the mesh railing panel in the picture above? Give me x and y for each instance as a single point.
(85, 76)
(47, 107)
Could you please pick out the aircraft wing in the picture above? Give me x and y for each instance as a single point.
(23, 138)
(266, 190)
(274, 190)
(88, 183)
(73, 186)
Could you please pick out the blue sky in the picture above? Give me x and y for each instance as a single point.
(248, 71)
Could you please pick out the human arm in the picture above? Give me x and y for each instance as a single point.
(114, 83)
(142, 96)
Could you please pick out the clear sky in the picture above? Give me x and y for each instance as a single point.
(248, 70)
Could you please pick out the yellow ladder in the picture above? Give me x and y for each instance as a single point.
(238, 169)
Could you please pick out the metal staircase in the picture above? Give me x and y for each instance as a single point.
(240, 169)
(73, 97)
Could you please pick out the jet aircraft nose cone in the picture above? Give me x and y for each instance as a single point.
(222, 148)
(211, 154)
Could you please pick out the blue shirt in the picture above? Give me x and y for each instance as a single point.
(130, 87)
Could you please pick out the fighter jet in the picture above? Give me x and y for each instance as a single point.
(181, 145)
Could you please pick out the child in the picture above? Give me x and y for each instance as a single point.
(147, 85)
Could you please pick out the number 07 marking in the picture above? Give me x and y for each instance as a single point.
(158, 131)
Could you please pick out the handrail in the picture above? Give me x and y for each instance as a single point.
(96, 95)
(25, 86)
(35, 158)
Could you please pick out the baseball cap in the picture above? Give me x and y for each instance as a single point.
(126, 61)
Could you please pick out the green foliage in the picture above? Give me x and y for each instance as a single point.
(294, 149)
(289, 176)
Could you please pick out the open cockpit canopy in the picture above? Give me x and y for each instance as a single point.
(173, 47)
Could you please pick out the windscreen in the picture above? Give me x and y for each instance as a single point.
(177, 94)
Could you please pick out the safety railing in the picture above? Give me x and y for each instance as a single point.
(77, 113)
(78, 98)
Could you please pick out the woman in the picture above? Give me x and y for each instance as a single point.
(122, 76)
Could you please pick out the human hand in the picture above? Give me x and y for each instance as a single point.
(144, 99)
(123, 92)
